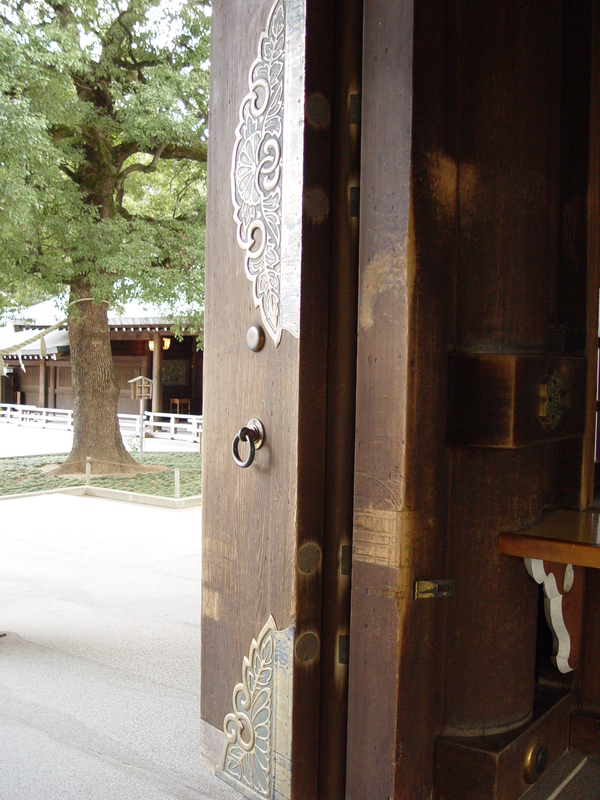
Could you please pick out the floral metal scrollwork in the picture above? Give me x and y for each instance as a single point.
(256, 171)
(247, 757)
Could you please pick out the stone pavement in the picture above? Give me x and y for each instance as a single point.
(100, 668)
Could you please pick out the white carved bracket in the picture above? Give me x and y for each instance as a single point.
(553, 607)
(257, 754)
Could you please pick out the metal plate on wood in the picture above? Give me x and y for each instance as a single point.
(256, 756)
(266, 169)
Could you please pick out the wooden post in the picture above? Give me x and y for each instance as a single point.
(52, 386)
(157, 360)
(147, 370)
(88, 471)
(142, 429)
(177, 484)
(593, 276)
(42, 384)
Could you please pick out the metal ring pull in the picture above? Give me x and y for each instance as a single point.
(253, 434)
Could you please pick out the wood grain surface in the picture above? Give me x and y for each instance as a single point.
(255, 520)
(568, 537)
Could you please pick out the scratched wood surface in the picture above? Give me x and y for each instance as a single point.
(406, 246)
(461, 249)
(255, 520)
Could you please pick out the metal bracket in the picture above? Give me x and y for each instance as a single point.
(343, 649)
(443, 587)
(354, 109)
(346, 560)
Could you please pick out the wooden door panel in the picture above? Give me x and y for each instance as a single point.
(464, 179)
(268, 195)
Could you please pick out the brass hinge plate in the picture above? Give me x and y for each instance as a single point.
(443, 587)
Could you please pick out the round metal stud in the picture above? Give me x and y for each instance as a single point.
(316, 204)
(255, 338)
(536, 760)
(307, 647)
(309, 558)
(318, 112)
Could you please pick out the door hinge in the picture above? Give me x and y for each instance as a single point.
(343, 649)
(346, 560)
(354, 109)
(443, 587)
(354, 202)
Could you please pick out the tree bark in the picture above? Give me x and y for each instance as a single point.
(95, 391)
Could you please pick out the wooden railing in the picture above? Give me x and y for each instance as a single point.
(171, 426)
(55, 418)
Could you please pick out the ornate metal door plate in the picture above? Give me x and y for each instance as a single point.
(266, 169)
(257, 755)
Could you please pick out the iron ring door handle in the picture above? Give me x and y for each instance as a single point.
(253, 434)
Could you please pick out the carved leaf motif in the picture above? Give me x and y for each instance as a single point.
(256, 171)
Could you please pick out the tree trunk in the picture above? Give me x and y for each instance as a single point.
(95, 391)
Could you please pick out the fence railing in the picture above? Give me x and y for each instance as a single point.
(170, 426)
(56, 418)
(173, 426)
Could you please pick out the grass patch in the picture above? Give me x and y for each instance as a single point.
(21, 475)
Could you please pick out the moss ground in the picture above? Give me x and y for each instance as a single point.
(20, 475)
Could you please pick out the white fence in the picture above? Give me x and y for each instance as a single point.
(56, 418)
(173, 426)
(187, 427)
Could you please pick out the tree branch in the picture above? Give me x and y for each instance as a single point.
(61, 132)
(68, 171)
(194, 152)
(151, 167)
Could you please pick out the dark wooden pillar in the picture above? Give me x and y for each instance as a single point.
(157, 362)
(585, 726)
(146, 368)
(400, 471)
(197, 380)
(460, 247)
(508, 118)
(52, 385)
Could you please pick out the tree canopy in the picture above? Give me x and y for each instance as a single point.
(103, 143)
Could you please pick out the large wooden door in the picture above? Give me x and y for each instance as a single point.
(275, 591)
